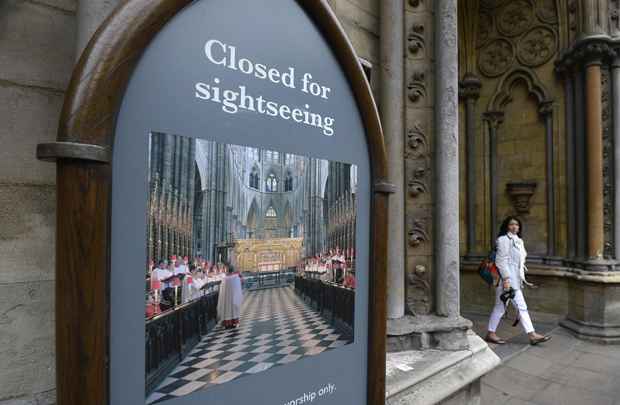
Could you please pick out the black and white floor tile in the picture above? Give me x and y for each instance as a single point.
(276, 327)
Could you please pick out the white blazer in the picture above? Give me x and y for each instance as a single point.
(510, 259)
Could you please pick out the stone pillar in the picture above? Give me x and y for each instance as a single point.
(90, 14)
(594, 160)
(446, 233)
(546, 112)
(570, 163)
(580, 158)
(615, 79)
(494, 119)
(392, 117)
(470, 91)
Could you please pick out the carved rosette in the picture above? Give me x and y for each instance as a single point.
(415, 40)
(416, 89)
(496, 57)
(547, 11)
(537, 46)
(417, 233)
(515, 18)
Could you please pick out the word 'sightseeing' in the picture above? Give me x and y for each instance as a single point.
(239, 98)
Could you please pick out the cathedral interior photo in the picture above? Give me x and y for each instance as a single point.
(250, 261)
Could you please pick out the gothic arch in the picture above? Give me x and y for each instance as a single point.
(503, 93)
(251, 219)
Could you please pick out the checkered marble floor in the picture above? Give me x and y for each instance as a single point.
(276, 327)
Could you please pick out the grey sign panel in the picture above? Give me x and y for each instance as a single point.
(196, 79)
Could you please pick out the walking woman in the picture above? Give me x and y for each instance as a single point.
(510, 262)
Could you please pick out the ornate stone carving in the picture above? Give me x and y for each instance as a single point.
(416, 183)
(515, 18)
(572, 16)
(419, 290)
(485, 28)
(417, 142)
(547, 11)
(415, 3)
(614, 17)
(537, 46)
(520, 193)
(415, 39)
(496, 57)
(418, 233)
(416, 89)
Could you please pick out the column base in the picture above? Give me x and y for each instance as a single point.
(593, 333)
(595, 264)
(439, 377)
(423, 332)
(594, 311)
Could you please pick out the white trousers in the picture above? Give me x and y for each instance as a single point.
(499, 310)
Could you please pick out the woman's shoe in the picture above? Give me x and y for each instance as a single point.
(494, 341)
(541, 339)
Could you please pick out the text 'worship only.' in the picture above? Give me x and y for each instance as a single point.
(232, 101)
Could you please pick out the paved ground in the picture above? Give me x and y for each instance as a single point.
(563, 371)
(276, 327)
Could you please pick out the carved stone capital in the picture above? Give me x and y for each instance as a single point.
(545, 108)
(493, 118)
(470, 87)
(588, 51)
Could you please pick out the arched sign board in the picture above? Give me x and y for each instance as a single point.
(201, 137)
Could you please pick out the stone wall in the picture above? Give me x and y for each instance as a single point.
(37, 51)
(521, 95)
(36, 56)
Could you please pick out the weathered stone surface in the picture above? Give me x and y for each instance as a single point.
(70, 6)
(36, 44)
(26, 233)
(29, 116)
(26, 339)
(43, 398)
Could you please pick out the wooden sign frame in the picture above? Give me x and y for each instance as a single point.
(83, 154)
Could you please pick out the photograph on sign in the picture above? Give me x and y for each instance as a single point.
(250, 262)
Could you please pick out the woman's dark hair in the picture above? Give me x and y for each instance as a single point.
(229, 267)
(503, 230)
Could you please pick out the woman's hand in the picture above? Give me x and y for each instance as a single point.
(506, 284)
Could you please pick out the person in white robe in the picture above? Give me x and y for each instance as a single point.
(230, 299)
